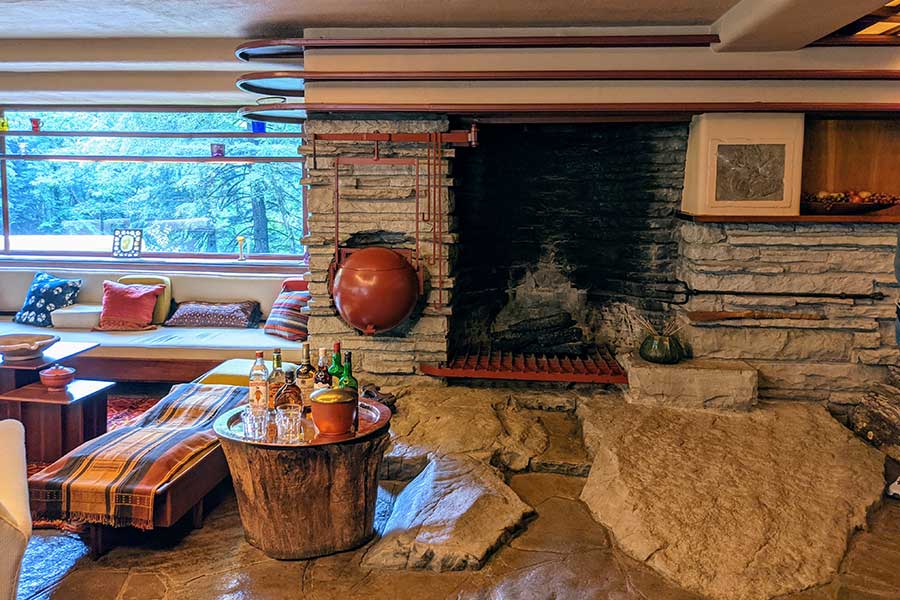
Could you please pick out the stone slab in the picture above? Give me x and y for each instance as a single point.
(734, 506)
(451, 517)
(482, 423)
(691, 384)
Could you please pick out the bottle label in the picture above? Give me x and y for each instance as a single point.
(259, 393)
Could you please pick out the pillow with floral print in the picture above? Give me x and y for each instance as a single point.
(46, 294)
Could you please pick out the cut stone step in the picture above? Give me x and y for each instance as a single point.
(692, 384)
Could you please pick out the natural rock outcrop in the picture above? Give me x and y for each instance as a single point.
(449, 518)
(736, 506)
(481, 423)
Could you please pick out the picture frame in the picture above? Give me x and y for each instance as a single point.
(127, 243)
(744, 165)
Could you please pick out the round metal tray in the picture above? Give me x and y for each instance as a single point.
(373, 417)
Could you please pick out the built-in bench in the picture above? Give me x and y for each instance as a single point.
(168, 354)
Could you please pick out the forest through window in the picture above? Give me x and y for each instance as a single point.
(68, 193)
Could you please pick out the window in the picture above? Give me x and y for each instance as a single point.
(69, 186)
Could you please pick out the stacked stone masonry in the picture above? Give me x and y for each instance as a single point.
(842, 272)
(377, 208)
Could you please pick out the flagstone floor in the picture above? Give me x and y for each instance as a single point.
(562, 554)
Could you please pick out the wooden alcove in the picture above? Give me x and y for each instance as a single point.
(851, 154)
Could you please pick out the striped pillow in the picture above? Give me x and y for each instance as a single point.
(288, 319)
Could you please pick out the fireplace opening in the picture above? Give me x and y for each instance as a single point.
(565, 233)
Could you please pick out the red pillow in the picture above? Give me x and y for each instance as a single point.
(128, 307)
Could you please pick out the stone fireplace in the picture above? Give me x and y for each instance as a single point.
(565, 231)
(558, 234)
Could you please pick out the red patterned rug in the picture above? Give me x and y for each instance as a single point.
(125, 403)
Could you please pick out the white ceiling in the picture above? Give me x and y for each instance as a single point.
(264, 18)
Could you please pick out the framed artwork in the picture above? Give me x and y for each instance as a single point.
(747, 172)
(744, 164)
(127, 243)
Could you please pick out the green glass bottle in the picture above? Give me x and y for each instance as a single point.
(347, 379)
(336, 369)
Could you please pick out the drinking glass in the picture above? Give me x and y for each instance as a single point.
(255, 420)
(288, 419)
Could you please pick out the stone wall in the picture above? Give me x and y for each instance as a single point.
(563, 223)
(843, 272)
(377, 208)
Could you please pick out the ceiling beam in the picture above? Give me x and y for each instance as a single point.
(119, 54)
(774, 25)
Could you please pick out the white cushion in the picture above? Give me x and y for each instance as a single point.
(170, 342)
(77, 316)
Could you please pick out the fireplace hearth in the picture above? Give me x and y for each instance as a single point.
(565, 232)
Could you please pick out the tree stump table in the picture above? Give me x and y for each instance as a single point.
(310, 499)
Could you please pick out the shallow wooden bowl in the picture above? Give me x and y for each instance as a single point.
(25, 346)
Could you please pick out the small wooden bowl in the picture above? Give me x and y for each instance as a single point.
(334, 412)
(57, 377)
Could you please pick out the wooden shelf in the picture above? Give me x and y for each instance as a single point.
(880, 217)
(292, 83)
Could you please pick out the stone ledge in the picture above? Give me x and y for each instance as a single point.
(691, 384)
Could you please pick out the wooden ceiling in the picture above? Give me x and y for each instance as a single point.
(878, 28)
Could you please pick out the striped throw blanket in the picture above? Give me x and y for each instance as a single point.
(113, 479)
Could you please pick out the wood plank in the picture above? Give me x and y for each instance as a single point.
(870, 218)
(38, 393)
(285, 82)
(296, 112)
(858, 40)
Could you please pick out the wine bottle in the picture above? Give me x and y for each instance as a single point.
(322, 379)
(347, 379)
(289, 393)
(336, 369)
(276, 377)
(259, 381)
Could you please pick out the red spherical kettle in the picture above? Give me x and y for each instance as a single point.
(375, 289)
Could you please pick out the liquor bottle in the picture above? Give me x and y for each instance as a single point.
(289, 393)
(347, 379)
(276, 377)
(322, 378)
(336, 369)
(305, 372)
(259, 382)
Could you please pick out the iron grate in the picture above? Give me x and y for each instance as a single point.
(598, 366)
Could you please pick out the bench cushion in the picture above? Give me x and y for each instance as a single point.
(77, 316)
(170, 343)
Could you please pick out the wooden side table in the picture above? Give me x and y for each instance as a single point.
(57, 422)
(16, 373)
(306, 500)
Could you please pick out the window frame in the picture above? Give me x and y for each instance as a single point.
(180, 261)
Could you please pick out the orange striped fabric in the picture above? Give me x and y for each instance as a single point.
(113, 479)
